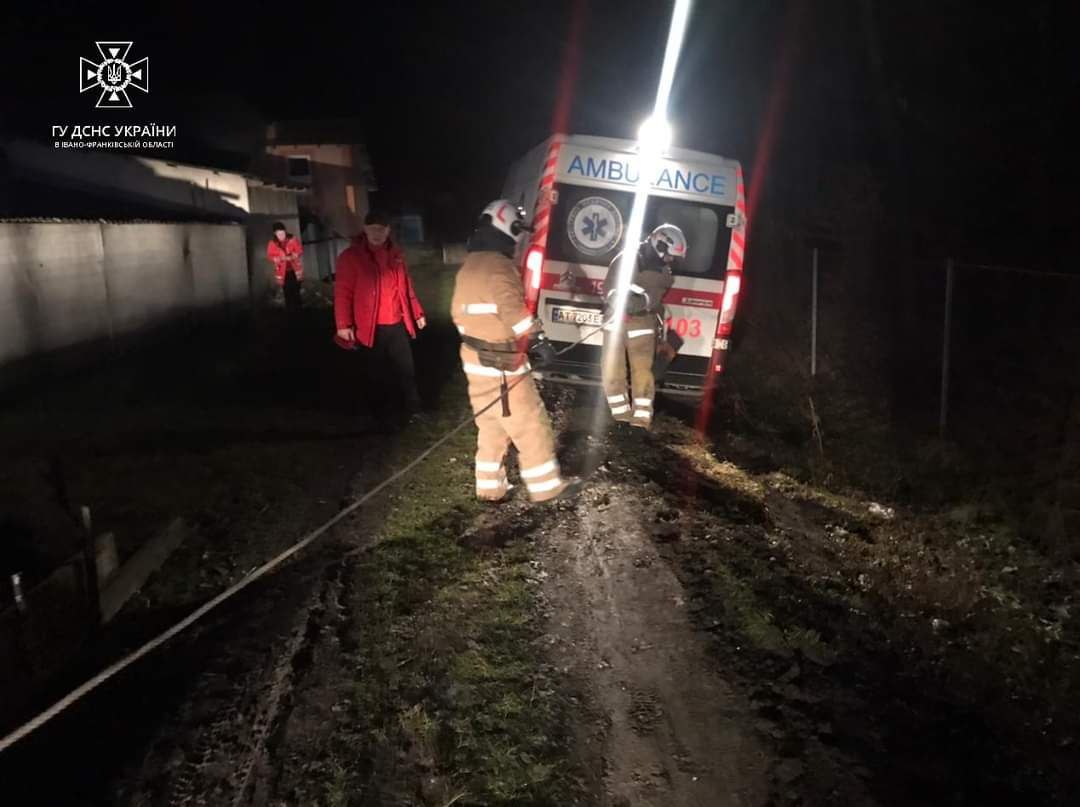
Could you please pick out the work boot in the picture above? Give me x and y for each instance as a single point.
(571, 488)
(501, 500)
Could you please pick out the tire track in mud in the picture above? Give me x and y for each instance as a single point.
(671, 729)
(619, 567)
(213, 750)
(190, 724)
(249, 666)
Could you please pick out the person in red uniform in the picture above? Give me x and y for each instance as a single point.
(284, 251)
(376, 307)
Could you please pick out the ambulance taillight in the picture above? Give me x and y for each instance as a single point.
(732, 285)
(534, 271)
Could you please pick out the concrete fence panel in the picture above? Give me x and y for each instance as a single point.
(218, 259)
(52, 287)
(67, 283)
(149, 277)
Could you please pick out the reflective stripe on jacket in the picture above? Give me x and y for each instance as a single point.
(489, 300)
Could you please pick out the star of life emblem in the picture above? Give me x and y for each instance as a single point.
(114, 75)
(594, 226)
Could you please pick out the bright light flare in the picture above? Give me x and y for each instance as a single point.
(654, 139)
(676, 32)
(654, 136)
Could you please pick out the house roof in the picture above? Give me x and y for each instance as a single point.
(111, 220)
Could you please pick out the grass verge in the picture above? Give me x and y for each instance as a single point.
(449, 697)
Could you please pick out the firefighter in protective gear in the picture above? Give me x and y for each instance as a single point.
(633, 341)
(499, 338)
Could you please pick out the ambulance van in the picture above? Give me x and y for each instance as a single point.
(578, 191)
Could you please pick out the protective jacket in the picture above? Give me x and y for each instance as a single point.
(650, 282)
(632, 342)
(488, 308)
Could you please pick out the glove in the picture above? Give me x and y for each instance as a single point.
(541, 351)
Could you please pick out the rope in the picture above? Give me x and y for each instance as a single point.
(93, 683)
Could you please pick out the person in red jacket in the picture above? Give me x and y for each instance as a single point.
(376, 307)
(284, 251)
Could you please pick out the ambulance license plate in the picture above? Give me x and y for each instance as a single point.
(577, 316)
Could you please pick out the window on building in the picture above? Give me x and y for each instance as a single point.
(300, 168)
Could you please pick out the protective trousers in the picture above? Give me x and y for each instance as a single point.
(634, 343)
(527, 427)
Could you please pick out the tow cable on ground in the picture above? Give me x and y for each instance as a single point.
(90, 685)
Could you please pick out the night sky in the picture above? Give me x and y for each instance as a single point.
(954, 113)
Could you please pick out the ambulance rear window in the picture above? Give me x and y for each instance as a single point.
(587, 227)
(700, 225)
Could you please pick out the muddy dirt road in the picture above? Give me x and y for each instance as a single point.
(699, 628)
(658, 642)
(671, 729)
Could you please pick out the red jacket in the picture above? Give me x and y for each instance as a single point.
(285, 258)
(356, 290)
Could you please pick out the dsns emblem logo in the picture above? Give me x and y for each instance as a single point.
(594, 226)
(114, 75)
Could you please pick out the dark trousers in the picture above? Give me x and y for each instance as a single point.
(291, 291)
(392, 352)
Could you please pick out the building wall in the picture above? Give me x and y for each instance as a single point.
(334, 170)
(269, 201)
(67, 283)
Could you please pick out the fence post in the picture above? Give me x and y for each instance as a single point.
(93, 591)
(813, 317)
(946, 348)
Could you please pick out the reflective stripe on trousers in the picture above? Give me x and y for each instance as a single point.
(643, 408)
(618, 404)
(490, 478)
(543, 478)
(528, 428)
(637, 350)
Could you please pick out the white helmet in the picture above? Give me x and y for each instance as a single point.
(667, 239)
(507, 218)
